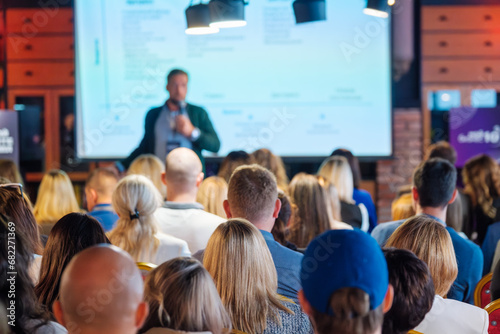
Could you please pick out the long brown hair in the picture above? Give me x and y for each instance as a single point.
(481, 176)
(274, 164)
(243, 270)
(70, 235)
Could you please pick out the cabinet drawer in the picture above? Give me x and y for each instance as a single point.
(31, 21)
(40, 74)
(476, 44)
(472, 17)
(479, 71)
(56, 47)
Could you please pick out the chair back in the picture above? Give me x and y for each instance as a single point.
(145, 268)
(493, 310)
(482, 293)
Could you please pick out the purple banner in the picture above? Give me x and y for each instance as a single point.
(474, 131)
(9, 136)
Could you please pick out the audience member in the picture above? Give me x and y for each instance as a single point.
(253, 195)
(150, 166)
(332, 198)
(101, 292)
(413, 291)
(495, 283)
(402, 207)
(433, 189)
(70, 235)
(98, 191)
(336, 170)
(183, 299)
(211, 194)
(345, 283)
(56, 198)
(280, 230)
(274, 164)
(135, 199)
(24, 313)
(481, 176)
(429, 240)
(242, 268)
(15, 205)
(312, 211)
(232, 161)
(181, 216)
(359, 195)
(9, 170)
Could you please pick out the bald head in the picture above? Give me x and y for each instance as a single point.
(183, 173)
(101, 292)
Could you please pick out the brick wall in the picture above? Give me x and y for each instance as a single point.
(408, 148)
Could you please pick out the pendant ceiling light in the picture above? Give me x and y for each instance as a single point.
(378, 8)
(198, 20)
(227, 13)
(309, 10)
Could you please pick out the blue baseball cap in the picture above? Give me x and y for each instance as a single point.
(343, 259)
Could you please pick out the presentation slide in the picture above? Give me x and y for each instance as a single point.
(299, 90)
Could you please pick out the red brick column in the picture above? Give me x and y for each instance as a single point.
(408, 148)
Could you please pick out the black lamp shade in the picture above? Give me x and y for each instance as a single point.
(198, 16)
(309, 10)
(381, 6)
(227, 11)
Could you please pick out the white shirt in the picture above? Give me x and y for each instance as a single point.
(189, 222)
(169, 248)
(448, 316)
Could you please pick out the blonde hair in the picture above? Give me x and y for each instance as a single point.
(135, 194)
(312, 213)
(211, 194)
(481, 176)
(9, 170)
(332, 197)
(150, 166)
(432, 244)
(56, 197)
(241, 265)
(402, 207)
(182, 296)
(274, 164)
(336, 170)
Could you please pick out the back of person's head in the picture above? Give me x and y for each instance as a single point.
(336, 170)
(481, 176)
(150, 166)
(101, 292)
(353, 163)
(9, 170)
(18, 209)
(232, 161)
(442, 149)
(56, 197)
(345, 283)
(274, 164)
(70, 235)
(280, 230)
(238, 259)
(135, 200)
(183, 171)
(333, 197)
(182, 296)
(312, 212)
(432, 244)
(413, 291)
(435, 181)
(211, 194)
(26, 307)
(402, 207)
(100, 185)
(252, 193)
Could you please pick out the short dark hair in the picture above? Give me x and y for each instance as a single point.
(435, 181)
(174, 72)
(442, 149)
(413, 291)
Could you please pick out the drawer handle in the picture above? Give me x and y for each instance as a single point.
(443, 44)
(28, 47)
(488, 69)
(443, 70)
(488, 43)
(27, 20)
(487, 17)
(443, 18)
(28, 73)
